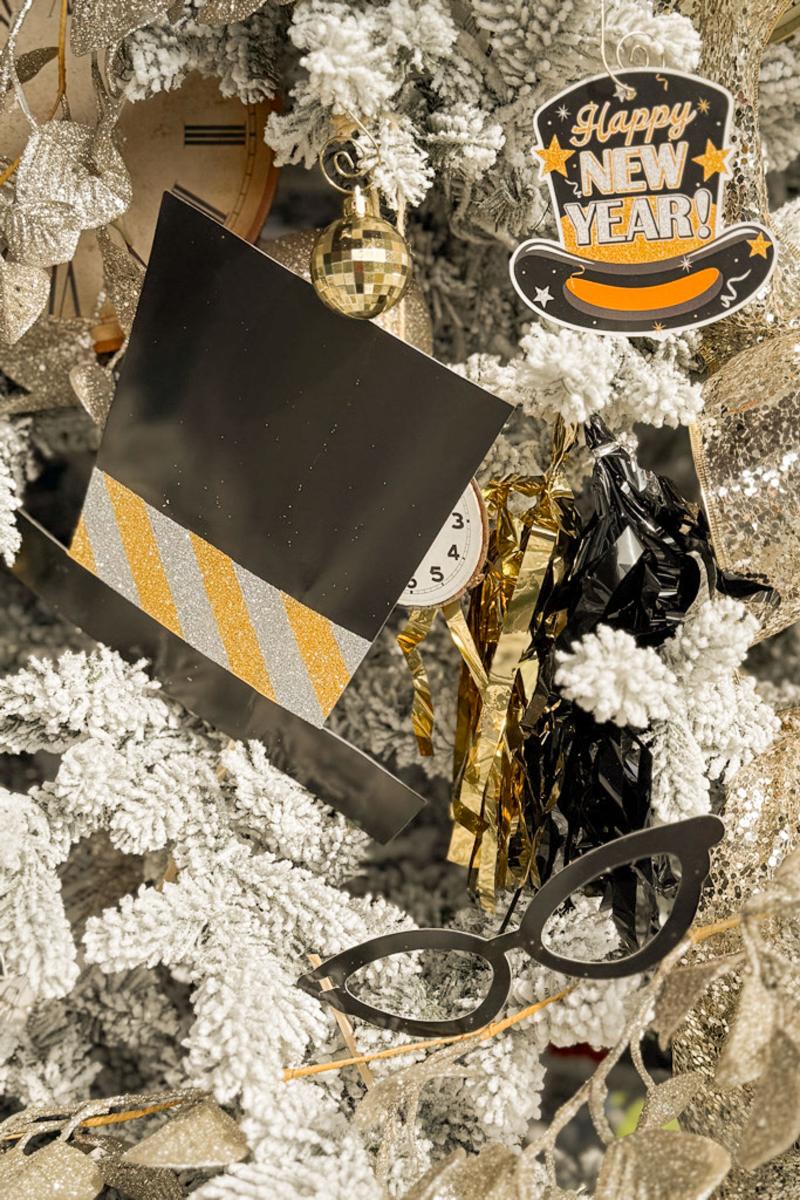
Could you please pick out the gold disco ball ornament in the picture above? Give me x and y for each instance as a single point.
(361, 265)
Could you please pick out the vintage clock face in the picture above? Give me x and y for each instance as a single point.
(207, 149)
(454, 560)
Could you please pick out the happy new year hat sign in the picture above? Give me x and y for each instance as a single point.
(637, 187)
(271, 473)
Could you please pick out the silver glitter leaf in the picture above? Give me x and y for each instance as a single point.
(774, 1122)
(744, 1054)
(56, 1170)
(41, 233)
(94, 387)
(223, 12)
(75, 165)
(683, 989)
(661, 1165)
(123, 276)
(203, 1136)
(667, 1101)
(24, 292)
(99, 23)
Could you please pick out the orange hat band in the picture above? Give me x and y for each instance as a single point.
(655, 298)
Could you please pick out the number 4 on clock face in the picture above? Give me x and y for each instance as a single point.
(455, 558)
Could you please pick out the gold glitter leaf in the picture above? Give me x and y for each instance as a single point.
(661, 1165)
(774, 1122)
(140, 1183)
(683, 989)
(23, 294)
(203, 1136)
(743, 1056)
(30, 64)
(485, 1176)
(56, 1170)
(99, 23)
(667, 1101)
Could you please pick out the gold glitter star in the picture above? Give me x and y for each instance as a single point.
(553, 157)
(712, 160)
(40, 362)
(658, 327)
(758, 245)
(703, 106)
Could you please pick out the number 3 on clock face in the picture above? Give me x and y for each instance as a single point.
(454, 560)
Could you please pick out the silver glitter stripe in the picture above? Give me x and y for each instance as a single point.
(287, 671)
(353, 647)
(186, 584)
(101, 527)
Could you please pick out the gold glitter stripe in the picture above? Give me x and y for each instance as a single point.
(81, 548)
(319, 650)
(233, 620)
(143, 555)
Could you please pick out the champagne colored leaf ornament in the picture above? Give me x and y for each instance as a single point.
(79, 166)
(99, 23)
(489, 1175)
(744, 1055)
(682, 990)
(30, 64)
(23, 294)
(204, 1136)
(141, 1183)
(94, 387)
(661, 1165)
(58, 1171)
(41, 233)
(667, 1101)
(123, 276)
(774, 1123)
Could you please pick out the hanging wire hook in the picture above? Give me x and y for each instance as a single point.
(628, 92)
(347, 160)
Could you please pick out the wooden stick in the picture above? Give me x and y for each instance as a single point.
(108, 1118)
(346, 1028)
(488, 1031)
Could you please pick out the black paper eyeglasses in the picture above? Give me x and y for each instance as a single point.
(687, 841)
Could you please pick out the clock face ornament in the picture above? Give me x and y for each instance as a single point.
(206, 148)
(636, 167)
(454, 560)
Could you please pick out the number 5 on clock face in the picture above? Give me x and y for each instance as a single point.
(454, 560)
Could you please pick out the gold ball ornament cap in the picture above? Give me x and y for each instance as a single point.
(360, 265)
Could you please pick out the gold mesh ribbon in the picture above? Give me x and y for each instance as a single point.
(491, 835)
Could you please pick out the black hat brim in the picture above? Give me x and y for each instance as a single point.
(643, 297)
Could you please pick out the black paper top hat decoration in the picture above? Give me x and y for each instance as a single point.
(637, 186)
(269, 478)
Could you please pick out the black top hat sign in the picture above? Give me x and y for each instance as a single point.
(270, 476)
(637, 186)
